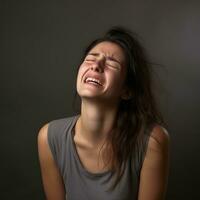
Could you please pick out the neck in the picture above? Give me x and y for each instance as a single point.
(96, 121)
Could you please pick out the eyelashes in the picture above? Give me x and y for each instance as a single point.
(107, 63)
(89, 60)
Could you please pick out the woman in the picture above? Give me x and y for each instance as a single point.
(117, 146)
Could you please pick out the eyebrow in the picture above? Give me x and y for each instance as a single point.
(109, 57)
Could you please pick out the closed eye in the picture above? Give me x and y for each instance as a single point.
(89, 60)
(112, 64)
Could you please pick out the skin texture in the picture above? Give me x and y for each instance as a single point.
(155, 169)
(52, 180)
(106, 62)
(99, 105)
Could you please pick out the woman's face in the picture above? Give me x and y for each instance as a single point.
(102, 73)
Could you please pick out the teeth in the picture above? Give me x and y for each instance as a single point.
(92, 79)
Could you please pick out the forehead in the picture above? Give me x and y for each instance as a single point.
(109, 49)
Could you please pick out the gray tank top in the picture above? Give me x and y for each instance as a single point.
(81, 184)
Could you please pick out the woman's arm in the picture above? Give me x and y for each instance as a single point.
(52, 180)
(155, 169)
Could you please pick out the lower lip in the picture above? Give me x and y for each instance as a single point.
(94, 84)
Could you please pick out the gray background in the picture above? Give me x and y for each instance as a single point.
(41, 44)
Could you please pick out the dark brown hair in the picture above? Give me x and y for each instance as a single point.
(137, 115)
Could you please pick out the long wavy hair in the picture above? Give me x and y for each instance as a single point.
(136, 115)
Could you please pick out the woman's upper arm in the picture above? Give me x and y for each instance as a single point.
(52, 180)
(155, 169)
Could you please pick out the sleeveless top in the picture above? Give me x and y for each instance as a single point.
(79, 183)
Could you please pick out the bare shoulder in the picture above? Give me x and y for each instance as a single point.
(44, 151)
(159, 139)
(42, 134)
(43, 146)
(51, 177)
(155, 168)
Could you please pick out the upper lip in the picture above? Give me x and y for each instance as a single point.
(93, 76)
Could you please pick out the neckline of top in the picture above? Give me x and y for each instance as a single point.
(85, 171)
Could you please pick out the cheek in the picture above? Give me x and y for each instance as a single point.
(81, 71)
(78, 77)
(82, 67)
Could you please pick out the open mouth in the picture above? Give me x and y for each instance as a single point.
(93, 81)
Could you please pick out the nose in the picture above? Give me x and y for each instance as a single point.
(98, 65)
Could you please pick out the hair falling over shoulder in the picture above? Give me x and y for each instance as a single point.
(137, 114)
